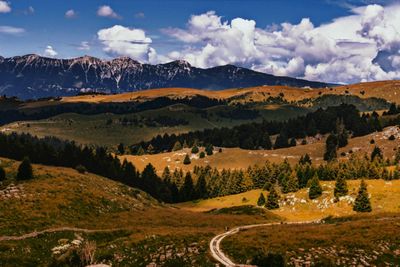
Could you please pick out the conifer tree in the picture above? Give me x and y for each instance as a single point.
(150, 149)
(2, 174)
(315, 190)
(331, 148)
(25, 171)
(201, 187)
(261, 200)
(121, 149)
(195, 149)
(305, 159)
(266, 141)
(376, 154)
(293, 142)
(186, 160)
(340, 186)
(209, 149)
(281, 140)
(140, 151)
(362, 202)
(166, 175)
(272, 199)
(187, 190)
(202, 154)
(177, 146)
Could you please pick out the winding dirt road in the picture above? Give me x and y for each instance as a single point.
(215, 244)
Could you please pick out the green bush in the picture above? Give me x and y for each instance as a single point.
(25, 171)
(186, 160)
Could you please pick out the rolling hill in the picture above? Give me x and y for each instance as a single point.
(236, 158)
(60, 206)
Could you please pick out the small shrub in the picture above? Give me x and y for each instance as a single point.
(81, 169)
(25, 171)
(391, 138)
(195, 150)
(186, 160)
(202, 154)
(276, 260)
(372, 141)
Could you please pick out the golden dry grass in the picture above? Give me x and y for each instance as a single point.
(236, 158)
(60, 197)
(353, 239)
(385, 197)
(382, 89)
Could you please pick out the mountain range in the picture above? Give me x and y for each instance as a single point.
(34, 76)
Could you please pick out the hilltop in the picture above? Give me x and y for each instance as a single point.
(387, 90)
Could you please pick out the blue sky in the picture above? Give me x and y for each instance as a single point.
(211, 32)
(47, 24)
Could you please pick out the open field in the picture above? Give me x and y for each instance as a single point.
(385, 197)
(236, 158)
(96, 129)
(351, 241)
(138, 227)
(383, 89)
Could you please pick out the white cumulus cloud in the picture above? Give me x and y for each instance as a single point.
(122, 41)
(107, 11)
(5, 7)
(50, 52)
(363, 46)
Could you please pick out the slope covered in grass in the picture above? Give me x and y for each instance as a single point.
(129, 227)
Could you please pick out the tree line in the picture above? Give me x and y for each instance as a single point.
(11, 113)
(257, 135)
(203, 182)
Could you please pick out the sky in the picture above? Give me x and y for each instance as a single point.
(340, 41)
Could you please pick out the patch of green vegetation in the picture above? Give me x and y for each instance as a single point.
(245, 210)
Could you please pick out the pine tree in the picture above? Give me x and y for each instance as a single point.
(340, 186)
(362, 202)
(315, 190)
(272, 200)
(261, 200)
(311, 128)
(140, 151)
(166, 175)
(201, 187)
(305, 159)
(187, 190)
(2, 174)
(331, 148)
(281, 140)
(25, 171)
(121, 149)
(177, 146)
(195, 149)
(293, 142)
(186, 160)
(376, 154)
(150, 149)
(266, 141)
(209, 150)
